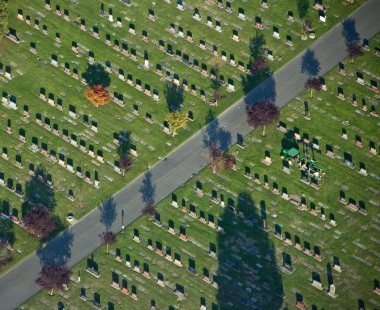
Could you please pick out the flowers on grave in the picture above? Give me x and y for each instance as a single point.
(98, 95)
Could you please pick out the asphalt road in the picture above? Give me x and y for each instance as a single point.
(18, 284)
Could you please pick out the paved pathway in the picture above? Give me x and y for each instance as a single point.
(19, 284)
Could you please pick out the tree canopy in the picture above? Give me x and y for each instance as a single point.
(176, 120)
(262, 114)
(53, 277)
(39, 222)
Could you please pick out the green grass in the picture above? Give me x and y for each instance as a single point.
(34, 71)
(353, 240)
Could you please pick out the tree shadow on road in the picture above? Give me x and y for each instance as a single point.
(214, 134)
(265, 92)
(248, 275)
(57, 251)
(147, 189)
(310, 64)
(349, 31)
(108, 213)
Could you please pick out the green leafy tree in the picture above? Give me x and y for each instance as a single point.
(3, 17)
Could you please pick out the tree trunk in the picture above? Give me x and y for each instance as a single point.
(107, 247)
(311, 93)
(51, 292)
(173, 133)
(263, 130)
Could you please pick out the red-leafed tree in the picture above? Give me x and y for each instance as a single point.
(98, 95)
(259, 64)
(125, 163)
(262, 114)
(313, 84)
(354, 50)
(39, 222)
(107, 238)
(149, 209)
(53, 277)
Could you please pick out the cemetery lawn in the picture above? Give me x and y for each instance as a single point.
(31, 72)
(255, 266)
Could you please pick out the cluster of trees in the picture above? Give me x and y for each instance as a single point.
(123, 150)
(3, 17)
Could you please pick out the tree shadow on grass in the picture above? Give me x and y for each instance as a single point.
(349, 31)
(96, 75)
(147, 189)
(38, 191)
(248, 274)
(108, 213)
(174, 96)
(57, 251)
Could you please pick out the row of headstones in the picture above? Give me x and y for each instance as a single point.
(210, 221)
(20, 16)
(182, 236)
(53, 155)
(9, 100)
(286, 237)
(5, 211)
(315, 277)
(194, 64)
(202, 45)
(364, 105)
(352, 204)
(9, 183)
(6, 71)
(372, 85)
(96, 299)
(167, 254)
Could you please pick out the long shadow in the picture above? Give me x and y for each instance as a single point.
(57, 251)
(108, 213)
(214, 134)
(174, 96)
(248, 275)
(147, 189)
(265, 91)
(96, 75)
(349, 31)
(39, 191)
(310, 65)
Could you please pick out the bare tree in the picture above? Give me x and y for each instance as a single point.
(53, 277)
(262, 114)
(107, 238)
(6, 255)
(313, 84)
